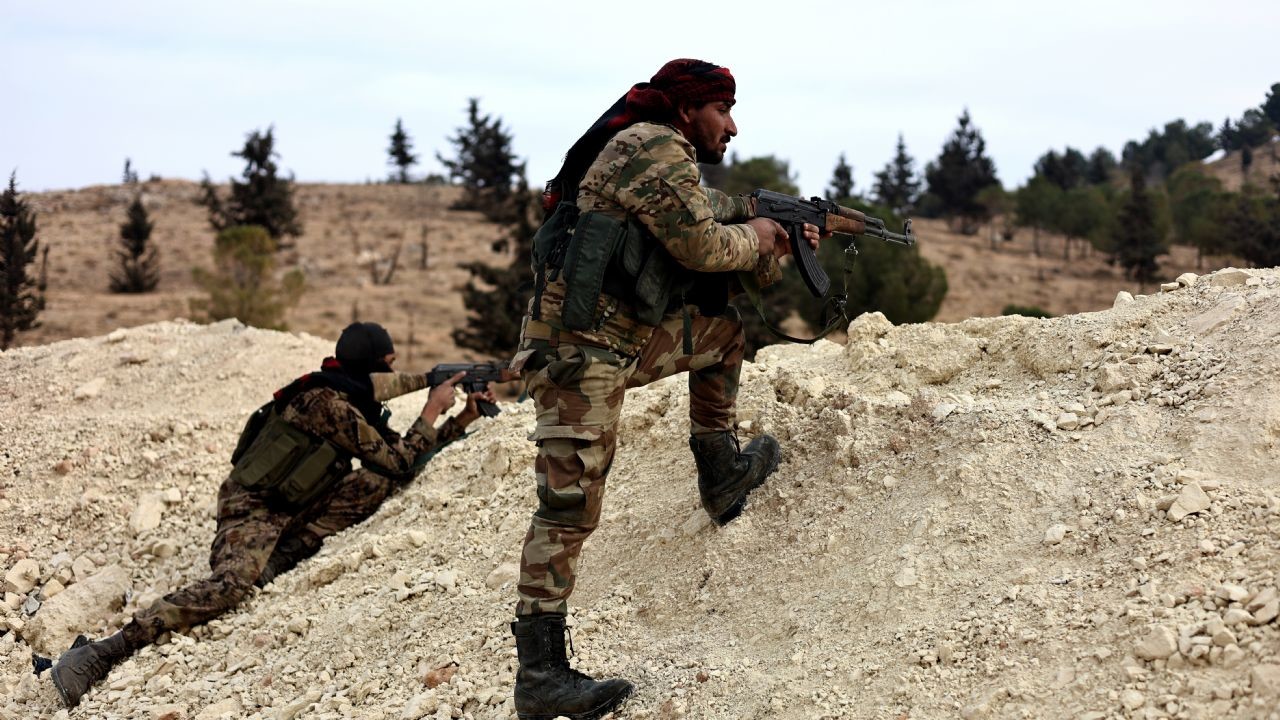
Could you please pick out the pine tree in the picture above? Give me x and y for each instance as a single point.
(401, 154)
(242, 284)
(139, 259)
(497, 298)
(21, 295)
(960, 173)
(1271, 106)
(897, 186)
(1101, 164)
(841, 187)
(263, 198)
(1137, 238)
(1068, 170)
(130, 176)
(485, 165)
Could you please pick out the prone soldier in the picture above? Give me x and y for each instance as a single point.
(292, 485)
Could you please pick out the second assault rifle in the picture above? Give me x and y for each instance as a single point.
(793, 212)
(477, 379)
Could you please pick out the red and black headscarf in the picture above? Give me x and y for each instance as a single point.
(679, 81)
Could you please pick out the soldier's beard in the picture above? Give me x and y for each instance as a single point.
(708, 156)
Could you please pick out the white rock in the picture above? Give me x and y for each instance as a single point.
(1159, 644)
(76, 609)
(22, 576)
(1055, 534)
(1068, 421)
(172, 495)
(1132, 699)
(1232, 592)
(1265, 679)
(697, 522)
(942, 410)
(167, 712)
(447, 579)
(291, 711)
(1236, 616)
(147, 513)
(164, 549)
(1123, 297)
(82, 567)
(223, 708)
(1187, 279)
(89, 390)
(52, 588)
(1228, 278)
(1169, 286)
(506, 573)
(1192, 499)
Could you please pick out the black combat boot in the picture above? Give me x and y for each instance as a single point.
(546, 687)
(289, 551)
(85, 664)
(726, 475)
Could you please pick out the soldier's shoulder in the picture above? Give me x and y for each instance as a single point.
(651, 137)
(318, 400)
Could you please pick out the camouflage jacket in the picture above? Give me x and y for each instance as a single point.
(648, 172)
(325, 412)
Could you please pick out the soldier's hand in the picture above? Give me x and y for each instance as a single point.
(440, 398)
(771, 236)
(472, 410)
(812, 234)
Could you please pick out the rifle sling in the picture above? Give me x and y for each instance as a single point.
(752, 289)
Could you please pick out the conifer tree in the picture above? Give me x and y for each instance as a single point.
(1137, 237)
(1271, 106)
(485, 165)
(130, 176)
(263, 198)
(841, 187)
(960, 173)
(401, 154)
(21, 294)
(139, 259)
(497, 297)
(897, 186)
(1101, 164)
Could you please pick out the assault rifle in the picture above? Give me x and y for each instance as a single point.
(477, 379)
(793, 212)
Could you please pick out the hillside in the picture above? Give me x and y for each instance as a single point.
(996, 518)
(348, 226)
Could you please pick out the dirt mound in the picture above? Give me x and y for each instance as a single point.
(1002, 517)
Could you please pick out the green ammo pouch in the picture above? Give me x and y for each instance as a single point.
(594, 242)
(286, 463)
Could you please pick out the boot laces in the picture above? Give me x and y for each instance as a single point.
(574, 672)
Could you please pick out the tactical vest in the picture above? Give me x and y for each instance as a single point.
(290, 466)
(620, 258)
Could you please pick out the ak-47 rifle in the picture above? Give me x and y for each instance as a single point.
(477, 379)
(793, 212)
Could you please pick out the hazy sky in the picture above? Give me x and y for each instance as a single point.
(176, 86)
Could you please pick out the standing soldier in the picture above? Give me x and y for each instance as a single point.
(634, 269)
(291, 486)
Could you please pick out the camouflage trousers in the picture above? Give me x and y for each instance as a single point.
(248, 531)
(578, 394)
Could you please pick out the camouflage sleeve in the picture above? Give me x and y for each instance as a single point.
(394, 384)
(729, 208)
(660, 186)
(325, 413)
(768, 271)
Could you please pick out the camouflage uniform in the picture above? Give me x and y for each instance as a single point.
(578, 379)
(249, 527)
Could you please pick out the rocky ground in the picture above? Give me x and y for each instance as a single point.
(996, 518)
